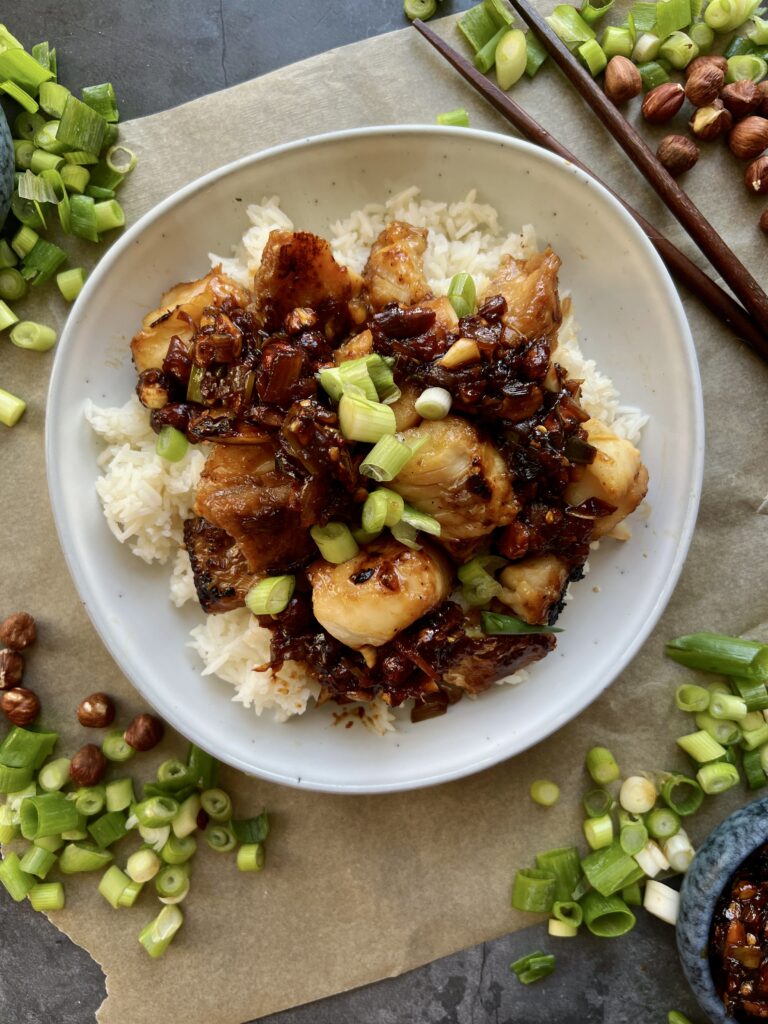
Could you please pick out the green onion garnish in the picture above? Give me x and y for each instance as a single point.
(610, 869)
(592, 11)
(42, 261)
(717, 777)
(386, 459)
(172, 883)
(113, 884)
(568, 25)
(202, 766)
(70, 282)
(74, 177)
(564, 865)
(533, 967)
(457, 118)
(478, 585)
(38, 861)
(545, 793)
(220, 838)
(32, 336)
(354, 374)
(726, 655)
(593, 55)
(495, 624)
(156, 812)
(434, 403)
(11, 778)
(156, 936)
(185, 822)
(691, 698)
(80, 857)
(633, 836)
(423, 9)
(753, 769)
(462, 294)
(115, 748)
(54, 775)
(363, 420)
(21, 67)
(178, 851)
(597, 802)
(420, 521)
(725, 732)
(47, 897)
(12, 285)
(662, 822)
(727, 706)
(216, 804)
(47, 815)
(701, 747)
(250, 857)
(598, 832)
(602, 766)
(91, 800)
(382, 508)
(534, 890)
(107, 829)
(101, 98)
(569, 912)
(406, 535)
(17, 883)
(80, 126)
(335, 541)
(607, 917)
(678, 50)
(171, 444)
(143, 865)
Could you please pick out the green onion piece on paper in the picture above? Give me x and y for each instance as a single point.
(101, 98)
(726, 655)
(617, 42)
(545, 793)
(70, 283)
(607, 917)
(47, 815)
(23, 748)
(178, 851)
(485, 58)
(38, 861)
(701, 747)
(217, 804)
(534, 890)
(597, 802)
(113, 884)
(679, 50)
(115, 748)
(81, 857)
(478, 26)
(142, 866)
(652, 74)
(564, 865)
(672, 15)
(568, 25)
(53, 98)
(203, 767)
(593, 56)
(220, 838)
(16, 882)
(598, 831)
(250, 857)
(536, 55)
(13, 287)
(753, 769)
(748, 66)
(54, 775)
(156, 936)
(107, 829)
(662, 822)
(32, 336)
(251, 830)
(47, 897)
(692, 699)
(80, 126)
(717, 777)
(610, 869)
(423, 9)
(593, 10)
(457, 118)
(569, 912)
(21, 67)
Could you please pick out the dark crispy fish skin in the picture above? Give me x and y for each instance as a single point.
(222, 577)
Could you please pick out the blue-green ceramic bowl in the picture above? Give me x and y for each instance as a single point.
(717, 859)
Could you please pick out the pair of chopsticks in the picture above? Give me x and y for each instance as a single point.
(733, 314)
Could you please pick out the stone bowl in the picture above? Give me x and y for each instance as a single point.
(6, 168)
(717, 859)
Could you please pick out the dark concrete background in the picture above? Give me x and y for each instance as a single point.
(159, 53)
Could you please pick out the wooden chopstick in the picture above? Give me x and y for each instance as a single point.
(722, 258)
(718, 301)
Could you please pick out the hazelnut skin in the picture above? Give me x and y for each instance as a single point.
(703, 85)
(677, 154)
(88, 766)
(749, 137)
(710, 122)
(11, 669)
(764, 221)
(741, 98)
(144, 732)
(756, 176)
(622, 80)
(18, 631)
(697, 62)
(96, 711)
(20, 705)
(762, 89)
(662, 103)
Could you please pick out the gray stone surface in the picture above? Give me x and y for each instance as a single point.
(159, 53)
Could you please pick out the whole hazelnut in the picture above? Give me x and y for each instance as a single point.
(144, 732)
(622, 80)
(741, 98)
(20, 705)
(662, 103)
(763, 222)
(88, 766)
(96, 711)
(11, 669)
(762, 90)
(710, 122)
(749, 137)
(677, 154)
(756, 176)
(18, 631)
(698, 62)
(704, 83)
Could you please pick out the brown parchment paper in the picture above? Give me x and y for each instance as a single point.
(362, 888)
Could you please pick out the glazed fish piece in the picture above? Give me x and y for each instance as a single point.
(222, 576)
(479, 661)
(298, 270)
(534, 587)
(241, 492)
(395, 269)
(460, 478)
(179, 313)
(530, 289)
(382, 590)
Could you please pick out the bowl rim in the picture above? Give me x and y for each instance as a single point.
(55, 470)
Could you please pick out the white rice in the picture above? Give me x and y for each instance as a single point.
(146, 499)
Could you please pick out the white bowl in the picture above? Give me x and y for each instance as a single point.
(631, 321)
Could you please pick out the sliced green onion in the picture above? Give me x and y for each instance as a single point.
(495, 624)
(354, 374)
(270, 596)
(723, 655)
(486, 57)
(83, 218)
(610, 869)
(598, 832)
(97, 192)
(9, 828)
(561, 929)
(38, 861)
(672, 15)
(662, 901)
(478, 585)
(682, 794)
(753, 693)
(143, 865)
(24, 241)
(652, 74)
(156, 812)
(22, 68)
(80, 127)
(130, 894)
(119, 794)
(185, 822)
(569, 912)
(637, 794)
(203, 767)
(101, 98)
(11, 778)
(47, 815)
(12, 285)
(727, 706)
(602, 766)
(335, 542)
(220, 838)
(171, 444)
(108, 829)
(702, 35)
(632, 837)
(662, 822)
(8, 257)
(632, 895)
(646, 48)
(434, 403)
(41, 262)
(250, 857)
(534, 890)
(70, 283)
(597, 802)
(679, 49)
(41, 161)
(216, 804)
(753, 769)
(675, 1017)
(113, 884)
(363, 420)
(17, 883)
(45, 138)
(386, 459)
(7, 318)
(692, 698)
(80, 857)
(74, 177)
(423, 9)
(406, 535)
(380, 371)
(723, 731)
(568, 25)
(564, 865)
(27, 125)
(748, 66)
(104, 176)
(156, 936)
(763, 757)
(251, 830)
(607, 917)
(536, 55)
(533, 967)
(54, 775)
(53, 98)
(717, 777)
(461, 292)
(47, 897)
(154, 837)
(382, 507)
(120, 159)
(478, 25)
(109, 215)
(421, 521)
(593, 10)
(593, 56)
(178, 851)
(76, 834)
(172, 883)
(457, 118)
(34, 186)
(32, 336)
(20, 96)
(729, 15)
(651, 859)
(115, 748)
(701, 746)
(90, 800)
(617, 42)
(755, 737)
(545, 793)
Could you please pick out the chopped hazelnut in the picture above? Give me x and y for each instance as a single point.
(710, 122)
(756, 176)
(11, 669)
